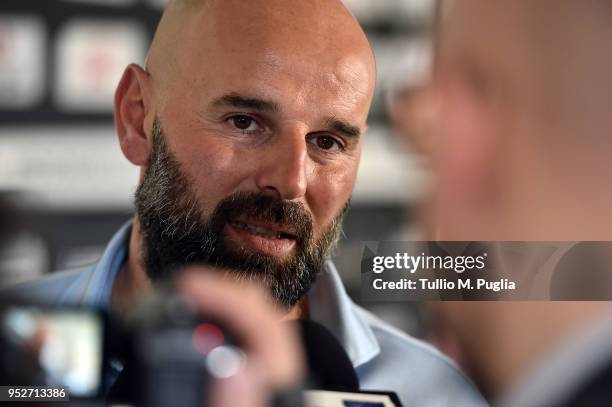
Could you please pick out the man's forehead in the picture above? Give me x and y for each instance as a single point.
(308, 52)
(292, 80)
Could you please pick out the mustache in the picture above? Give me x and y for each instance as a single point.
(266, 208)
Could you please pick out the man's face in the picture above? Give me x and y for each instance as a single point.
(253, 118)
(176, 232)
(525, 106)
(524, 90)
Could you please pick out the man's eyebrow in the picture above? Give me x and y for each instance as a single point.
(246, 102)
(344, 127)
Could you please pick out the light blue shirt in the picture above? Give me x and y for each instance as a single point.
(384, 358)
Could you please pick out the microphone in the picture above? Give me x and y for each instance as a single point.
(329, 366)
(332, 380)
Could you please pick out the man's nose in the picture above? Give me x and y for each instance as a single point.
(283, 169)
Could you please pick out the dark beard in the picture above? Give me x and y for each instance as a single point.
(176, 232)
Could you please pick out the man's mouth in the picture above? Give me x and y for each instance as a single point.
(267, 232)
(264, 237)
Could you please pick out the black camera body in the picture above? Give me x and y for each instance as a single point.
(169, 353)
(160, 353)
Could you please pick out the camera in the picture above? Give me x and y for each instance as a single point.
(160, 353)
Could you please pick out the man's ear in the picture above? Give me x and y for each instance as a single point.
(466, 159)
(132, 110)
(469, 153)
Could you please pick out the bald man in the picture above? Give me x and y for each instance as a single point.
(523, 154)
(247, 124)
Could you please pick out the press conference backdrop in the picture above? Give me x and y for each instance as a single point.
(60, 62)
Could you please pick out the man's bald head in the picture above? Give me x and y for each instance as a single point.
(526, 92)
(316, 30)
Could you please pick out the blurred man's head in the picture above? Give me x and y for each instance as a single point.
(247, 125)
(526, 90)
(523, 153)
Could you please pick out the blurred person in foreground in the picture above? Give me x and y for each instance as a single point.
(523, 153)
(247, 124)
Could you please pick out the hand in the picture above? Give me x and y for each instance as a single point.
(274, 359)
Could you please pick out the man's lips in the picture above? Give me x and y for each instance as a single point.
(262, 237)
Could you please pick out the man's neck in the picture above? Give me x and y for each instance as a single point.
(132, 282)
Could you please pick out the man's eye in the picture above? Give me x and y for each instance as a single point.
(244, 123)
(327, 143)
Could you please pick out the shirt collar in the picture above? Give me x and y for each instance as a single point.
(329, 304)
(100, 285)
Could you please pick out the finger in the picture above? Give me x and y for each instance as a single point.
(245, 389)
(246, 312)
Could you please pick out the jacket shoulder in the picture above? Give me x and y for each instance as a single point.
(58, 287)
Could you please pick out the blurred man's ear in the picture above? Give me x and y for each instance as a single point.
(133, 114)
(466, 160)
